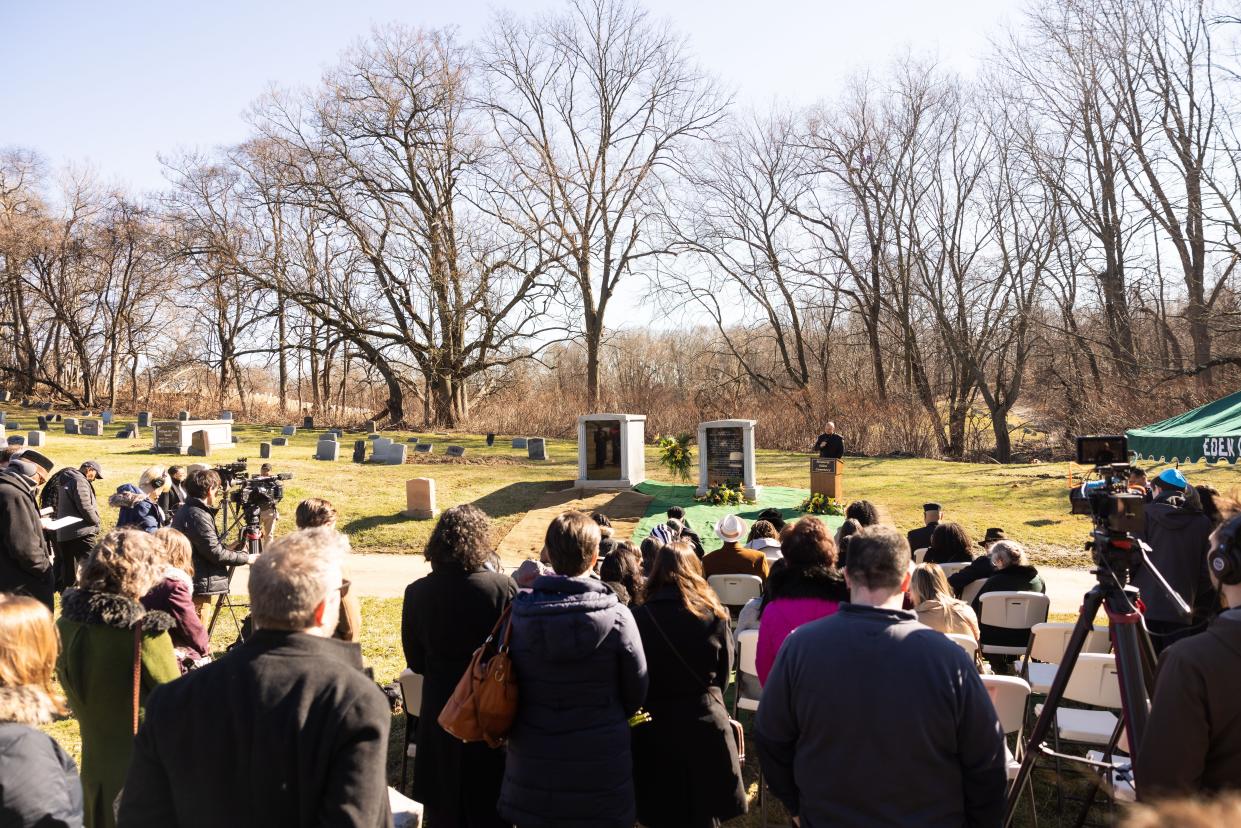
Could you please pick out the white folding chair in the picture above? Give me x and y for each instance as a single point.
(1012, 611)
(971, 590)
(919, 554)
(951, 569)
(966, 642)
(1048, 642)
(747, 664)
(411, 699)
(1010, 695)
(736, 590)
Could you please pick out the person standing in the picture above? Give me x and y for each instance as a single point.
(445, 617)
(102, 626)
(25, 561)
(314, 512)
(830, 445)
(581, 668)
(285, 731)
(870, 718)
(76, 498)
(269, 514)
(732, 558)
(171, 499)
(686, 770)
(196, 520)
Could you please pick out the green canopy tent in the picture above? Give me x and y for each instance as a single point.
(1211, 432)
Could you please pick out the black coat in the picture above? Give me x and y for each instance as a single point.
(1008, 579)
(25, 563)
(196, 520)
(171, 500)
(286, 730)
(579, 663)
(39, 784)
(686, 770)
(920, 538)
(76, 498)
(1180, 539)
(830, 446)
(979, 569)
(446, 616)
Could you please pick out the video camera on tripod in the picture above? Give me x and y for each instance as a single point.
(1105, 497)
(249, 496)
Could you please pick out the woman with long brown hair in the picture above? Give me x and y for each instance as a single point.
(686, 769)
(40, 785)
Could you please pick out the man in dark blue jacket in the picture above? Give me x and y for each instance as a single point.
(870, 718)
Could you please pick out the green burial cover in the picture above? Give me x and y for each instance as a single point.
(1211, 432)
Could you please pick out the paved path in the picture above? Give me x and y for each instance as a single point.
(386, 576)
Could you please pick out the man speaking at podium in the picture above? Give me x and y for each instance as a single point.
(830, 446)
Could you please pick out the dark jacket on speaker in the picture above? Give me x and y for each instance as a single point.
(211, 559)
(25, 563)
(1179, 538)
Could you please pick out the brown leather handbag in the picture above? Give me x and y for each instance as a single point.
(484, 704)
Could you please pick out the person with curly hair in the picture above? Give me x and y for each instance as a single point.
(950, 543)
(864, 512)
(446, 616)
(622, 572)
(102, 626)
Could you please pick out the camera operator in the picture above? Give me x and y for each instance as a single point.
(268, 515)
(1179, 537)
(1192, 744)
(196, 519)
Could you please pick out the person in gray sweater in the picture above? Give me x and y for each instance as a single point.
(870, 718)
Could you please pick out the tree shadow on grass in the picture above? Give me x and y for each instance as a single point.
(518, 498)
(373, 521)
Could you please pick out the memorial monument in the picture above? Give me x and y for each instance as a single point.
(610, 450)
(726, 455)
(177, 436)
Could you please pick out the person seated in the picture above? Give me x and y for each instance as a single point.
(847, 530)
(981, 567)
(764, 537)
(732, 558)
(950, 543)
(1013, 573)
(174, 594)
(807, 587)
(621, 571)
(864, 512)
(607, 543)
(920, 538)
(687, 531)
(773, 516)
(933, 601)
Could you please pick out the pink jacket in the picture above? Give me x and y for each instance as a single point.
(780, 618)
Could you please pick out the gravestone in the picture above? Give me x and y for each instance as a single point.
(106, 416)
(371, 427)
(42, 422)
(455, 451)
(610, 450)
(411, 440)
(339, 432)
(359, 451)
(178, 435)
(125, 433)
(3, 416)
(92, 428)
(183, 416)
(726, 455)
(5, 396)
(536, 448)
(132, 431)
(225, 415)
(71, 425)
(393, 455)
(288, 431)
(280, 441)
(424, 448)
(13, 424)
(519, 442)
(491, 439)
(144, 419)
(327, 450)
(200, 444)
(17, 440)
(265, 450)
(329, 435)
(308, 423)
(25, 402)
(59, 418)
(35, 439)
(420, 498)
(380, 445)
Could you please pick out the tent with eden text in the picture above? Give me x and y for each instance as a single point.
(1211, 432)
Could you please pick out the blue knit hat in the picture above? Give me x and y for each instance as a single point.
(1172, 479)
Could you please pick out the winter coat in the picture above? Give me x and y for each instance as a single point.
(76, 498)
(285, 731)
(196, 520)
(1179, 538)
(174, 595)
(735, 560)
(446, 616)
(870, 718)
(794, 597)
(39, 784)
(920, 538)
(579, 663)
(1008, 579)
(1192, 745)
(25, 562)
(948, 616)
(686, 770)
(172, 498)
(138, 511)
(980, 569)
(96, 668)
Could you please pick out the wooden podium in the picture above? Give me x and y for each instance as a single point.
(827, 477)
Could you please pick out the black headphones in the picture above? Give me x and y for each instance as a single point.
(1225, 556)
(157, 483)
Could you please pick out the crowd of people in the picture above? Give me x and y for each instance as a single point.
(622, 653)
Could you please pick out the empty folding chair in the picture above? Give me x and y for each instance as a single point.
(1048, 642)
(411, 698)
(919, 554)
(951, 569)
(1011, 611)
(1010, 694)
(747, 664)
(735, 590)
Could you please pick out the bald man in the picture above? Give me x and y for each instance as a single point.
(830, 445)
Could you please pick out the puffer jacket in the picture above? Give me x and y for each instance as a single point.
(579, 662)
(76, 498)
(39, 784)
(137, 510)
(196, 520)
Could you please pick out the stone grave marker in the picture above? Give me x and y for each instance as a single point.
(13, 424)
(425, 448)
(200, 444)
(411, 440)
(265, 450)
(491, 439)
(226, 415)
(327, 450)
(183, 416)
(59, 418)
(17, 440)
(536, 449)
(42, 422)
(5, 396)
(519, 442)
(359, 451)
(144, 419)
(3, 416)
(92, 428)
(308, 423)
(280, 441)
(393, 455)
(35, 439)
(125, 433)
(380, 444)
(726, 455)
(288, 431)
(420, 498)
(71, 425)
(372, 427)
(106, 416)
(455, 451)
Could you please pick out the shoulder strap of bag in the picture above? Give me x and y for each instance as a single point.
(503, 622)
(137, 671)
(706, 687)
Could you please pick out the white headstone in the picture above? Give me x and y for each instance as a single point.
(420, 498)
(328, 450)
(610, 450)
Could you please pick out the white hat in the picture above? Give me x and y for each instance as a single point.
(730, 528)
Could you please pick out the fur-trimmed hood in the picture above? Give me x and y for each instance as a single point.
(28, 705)
(108, 609)
(127, 496)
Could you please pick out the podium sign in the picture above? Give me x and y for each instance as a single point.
(827, 477)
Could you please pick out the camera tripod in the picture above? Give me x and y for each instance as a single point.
(1135, 660)
(252, 533)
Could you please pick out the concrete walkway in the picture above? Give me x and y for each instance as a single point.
(386, 576)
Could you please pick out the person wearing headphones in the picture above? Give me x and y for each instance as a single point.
(1192, 745)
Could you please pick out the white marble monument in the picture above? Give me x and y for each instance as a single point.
(726, 455)
(610, 451)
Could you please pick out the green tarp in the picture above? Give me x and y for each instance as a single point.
(1211, 432)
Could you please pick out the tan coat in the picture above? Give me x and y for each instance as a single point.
(948, 616)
